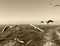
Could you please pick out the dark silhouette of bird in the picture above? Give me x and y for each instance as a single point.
(57, 5)
(42, 22)
(49, 21)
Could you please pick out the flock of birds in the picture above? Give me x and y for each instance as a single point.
(49, 21)
(56, 3)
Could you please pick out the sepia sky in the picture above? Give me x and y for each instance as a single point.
(23, 11)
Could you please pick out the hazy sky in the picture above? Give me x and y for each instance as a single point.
(22, 11)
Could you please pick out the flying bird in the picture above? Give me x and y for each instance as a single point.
(42, 22)
(49, 21)
(57, 5)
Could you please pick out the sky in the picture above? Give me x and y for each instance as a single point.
(24, 11)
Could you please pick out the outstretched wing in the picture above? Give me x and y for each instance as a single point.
(49, 21)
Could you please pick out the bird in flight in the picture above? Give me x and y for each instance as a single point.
(49, 21)
(57, 5)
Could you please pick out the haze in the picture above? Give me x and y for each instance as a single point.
(23, 11)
